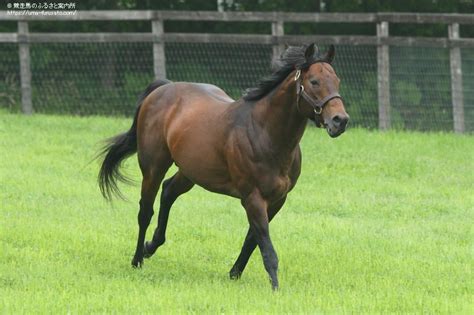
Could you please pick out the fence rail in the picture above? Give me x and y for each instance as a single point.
(233, 38)
(134, 15)
(159, 39)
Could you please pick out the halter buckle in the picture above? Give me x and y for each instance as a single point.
(318, 110)
(297, 75)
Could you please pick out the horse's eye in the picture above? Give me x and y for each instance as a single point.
(314, 82)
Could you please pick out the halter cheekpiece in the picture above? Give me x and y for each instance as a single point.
(316, 104)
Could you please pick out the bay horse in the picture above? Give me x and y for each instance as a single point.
(248, 149)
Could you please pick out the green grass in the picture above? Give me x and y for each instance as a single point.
(379, 222)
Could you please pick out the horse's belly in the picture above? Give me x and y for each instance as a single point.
(209, 177)
(199, 160)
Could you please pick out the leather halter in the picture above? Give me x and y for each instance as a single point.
(316, 104)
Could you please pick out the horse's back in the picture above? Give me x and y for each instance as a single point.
(210, 91)
(196, 105)
(188, 94)
(185, 99)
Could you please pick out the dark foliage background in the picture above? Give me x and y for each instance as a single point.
(106, 78)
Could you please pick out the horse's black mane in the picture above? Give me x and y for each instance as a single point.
(293, 58)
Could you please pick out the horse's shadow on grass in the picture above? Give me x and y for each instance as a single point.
(161, 269)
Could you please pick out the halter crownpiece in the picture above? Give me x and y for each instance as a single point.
(317, 105)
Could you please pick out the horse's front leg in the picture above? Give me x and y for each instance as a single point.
(250, 243)
(256, 207)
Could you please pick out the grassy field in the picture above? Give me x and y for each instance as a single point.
(379, 222)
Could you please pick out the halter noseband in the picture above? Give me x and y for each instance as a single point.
(316, 104)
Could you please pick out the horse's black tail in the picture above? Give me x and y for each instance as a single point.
(119, 148)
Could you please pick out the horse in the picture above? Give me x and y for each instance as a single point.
(248, 149)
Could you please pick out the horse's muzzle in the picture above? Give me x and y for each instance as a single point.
(337, 125)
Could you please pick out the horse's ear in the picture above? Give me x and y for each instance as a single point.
(316, 50)
(330, 54)
(309, 53)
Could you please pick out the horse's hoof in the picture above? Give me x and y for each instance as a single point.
(274, 285)
(137, 263)
(146, 252)
(235, 274)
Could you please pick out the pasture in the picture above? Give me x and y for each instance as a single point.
(379, 222)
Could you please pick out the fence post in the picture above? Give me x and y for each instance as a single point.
(25, 71)
(383, 77)
(456, 80)
(277, 30)
(159, 60)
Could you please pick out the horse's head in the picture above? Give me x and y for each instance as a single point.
(318, 85)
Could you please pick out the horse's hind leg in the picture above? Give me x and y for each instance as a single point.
(153, 173)
(172, 188)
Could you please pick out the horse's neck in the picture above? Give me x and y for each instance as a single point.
(279, 117)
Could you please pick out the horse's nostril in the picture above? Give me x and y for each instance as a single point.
(340, 120)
